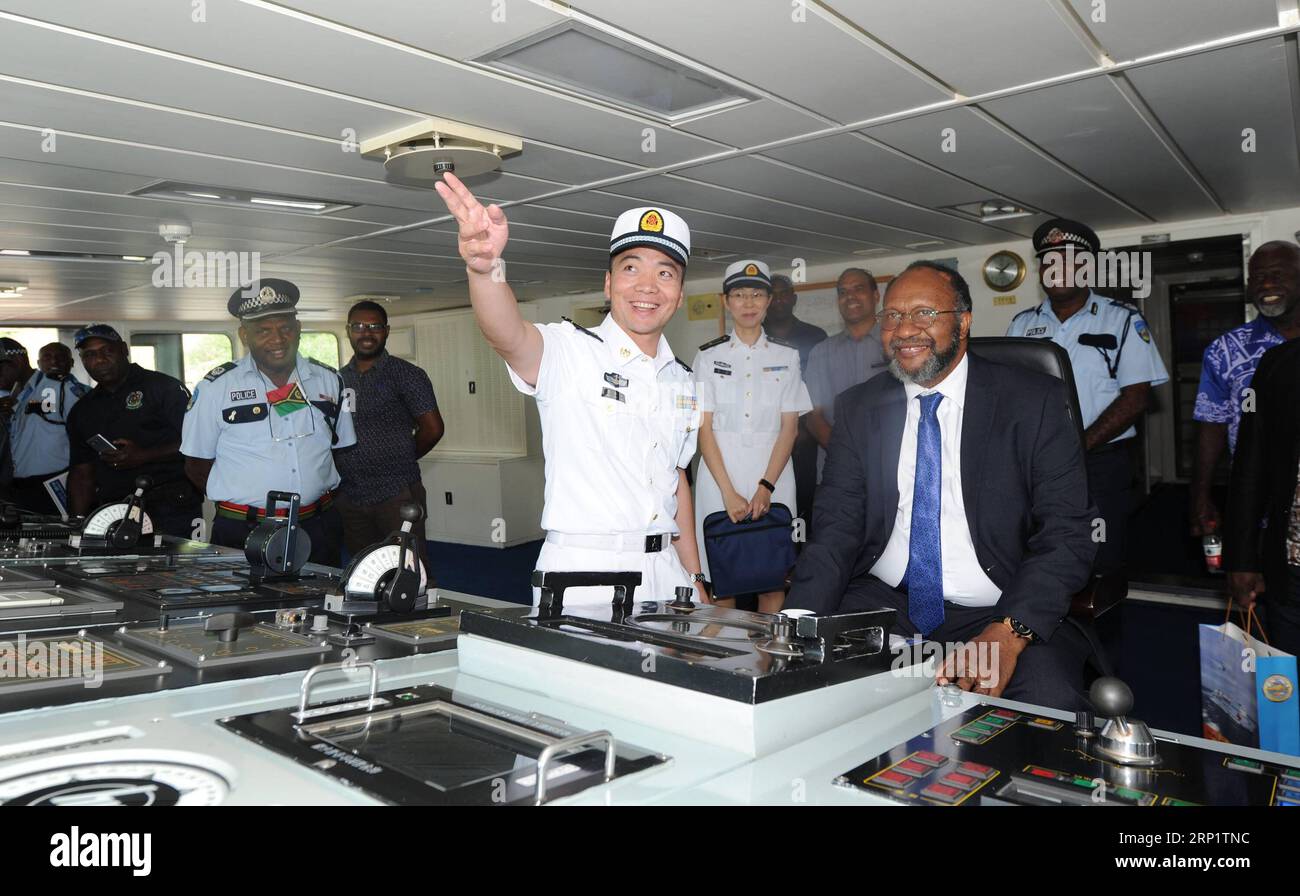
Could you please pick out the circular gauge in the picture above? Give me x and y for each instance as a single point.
(366, 576)
(127, 783)
(102, 521)
(1004, 270)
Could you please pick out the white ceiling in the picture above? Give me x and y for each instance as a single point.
(259, 94)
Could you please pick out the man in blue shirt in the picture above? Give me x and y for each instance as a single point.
(1115, 363)
(1273, 286)
(269, 422)
(39, 402)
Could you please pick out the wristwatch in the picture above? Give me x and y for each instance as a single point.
(697, 577)
(767, 485)
(1019, 628)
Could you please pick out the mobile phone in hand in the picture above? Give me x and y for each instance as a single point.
(101, 444)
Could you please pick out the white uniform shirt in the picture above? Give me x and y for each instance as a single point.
(1138, 362)
(617, 425)
(748, 387)
(256, 450)
(964, 582)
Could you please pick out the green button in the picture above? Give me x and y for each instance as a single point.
(1084, 782)
(971, 734)
(982, 728)
(1243, 763)
(994, 721)
(1169, 801)
(1129, 794)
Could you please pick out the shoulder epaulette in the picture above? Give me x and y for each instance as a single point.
(684, 364)
(1127, 306)
(322, 364)
(719, 341)
(778, 341)
(1033, 310)
(221, 371)
(581, 329)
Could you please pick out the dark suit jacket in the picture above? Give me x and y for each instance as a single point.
(1023, 483)
(1264, 469)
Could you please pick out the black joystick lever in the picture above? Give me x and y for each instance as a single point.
(1123, 740)
(403, 590)
(126, 532)
(683, 601)
(1111, 697)
(226, 626)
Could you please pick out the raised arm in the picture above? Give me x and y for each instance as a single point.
(481, 239)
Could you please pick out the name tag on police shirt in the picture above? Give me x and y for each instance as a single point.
(244, 395)
(721, 368)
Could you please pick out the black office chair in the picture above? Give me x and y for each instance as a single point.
(1102, 592)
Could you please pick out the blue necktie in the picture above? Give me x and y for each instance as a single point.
(924, 576)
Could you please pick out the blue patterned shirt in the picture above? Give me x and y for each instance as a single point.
(1227, 369)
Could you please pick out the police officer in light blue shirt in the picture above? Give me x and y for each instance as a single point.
(38, 437)
(1115, 363)
(269, 422)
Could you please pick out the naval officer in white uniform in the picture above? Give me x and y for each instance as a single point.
(619, 412)
(751, 394)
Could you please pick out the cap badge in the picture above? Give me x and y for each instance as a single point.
(751, 270)
(266, 294)
(1054, 236)
(651, 222)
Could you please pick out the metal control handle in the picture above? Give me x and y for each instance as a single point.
(304, 689)
(572, 745)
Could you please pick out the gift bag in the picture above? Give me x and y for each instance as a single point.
(752, 556)
(1248, 689)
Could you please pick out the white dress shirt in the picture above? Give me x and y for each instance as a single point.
(964, 581)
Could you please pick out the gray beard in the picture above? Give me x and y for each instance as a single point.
(1276, 311)
(939, 361)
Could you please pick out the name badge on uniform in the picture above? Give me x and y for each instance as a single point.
(615, 380)
(243, 395)
(612, 393)
(1036, 331)
(721, 368)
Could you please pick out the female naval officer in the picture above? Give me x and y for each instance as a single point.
(751, 394)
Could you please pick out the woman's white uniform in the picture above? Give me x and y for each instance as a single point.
(747, 388)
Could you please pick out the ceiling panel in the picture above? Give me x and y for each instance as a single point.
(1091, 127)
(980, 47)
(754, 123)
(983, 153)
(1207, 101)
(838, 75)
(1137, 28)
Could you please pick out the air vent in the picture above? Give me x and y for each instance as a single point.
(591, 62)
(184, 192)
(420, 153)
(993, 209)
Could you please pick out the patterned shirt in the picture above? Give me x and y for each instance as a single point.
(1227, 369)
(387, 400)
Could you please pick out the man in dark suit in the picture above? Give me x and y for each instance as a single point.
(1261, 551)
(954, 491)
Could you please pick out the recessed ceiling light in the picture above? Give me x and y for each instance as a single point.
(183, 192)
(925, 244)
(288, 203)
(134, 258)
(879, 250)
(14, 252)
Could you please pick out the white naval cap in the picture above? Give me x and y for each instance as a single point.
(750, 272)
(652, 227)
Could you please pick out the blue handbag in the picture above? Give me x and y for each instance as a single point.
(749, 557)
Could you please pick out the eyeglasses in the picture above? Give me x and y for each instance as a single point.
(750, 296)
(367, 328)
(922, 318)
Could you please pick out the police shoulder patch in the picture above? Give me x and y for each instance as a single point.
(221, 371)
(721, 340)
(777, 341)
(1140, 327)
(582, 329)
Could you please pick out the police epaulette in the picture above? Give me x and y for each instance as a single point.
(683, 363)
(322, 364)
(1033, 310)
(712, 342)
(777, 341)
(1127, 306)
(582, 329)
(216, 372)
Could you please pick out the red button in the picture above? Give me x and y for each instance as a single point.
(975, 770)
(965, 782)
(1005, 714)
(913, 768)
(1043, 773)
(943, 793)
(894, 778)
(928, 758)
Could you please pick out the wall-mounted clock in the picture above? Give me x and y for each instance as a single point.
(1004, 270)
